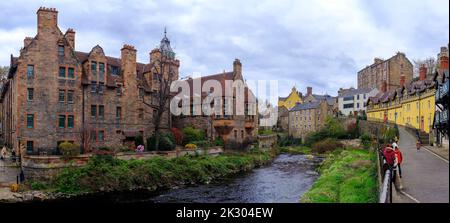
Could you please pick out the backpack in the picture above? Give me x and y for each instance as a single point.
(389, 155)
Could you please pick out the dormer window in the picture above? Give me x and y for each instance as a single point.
(60, 50)
(101, 70)
(94, 67)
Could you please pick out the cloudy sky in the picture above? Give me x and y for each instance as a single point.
(320, 43)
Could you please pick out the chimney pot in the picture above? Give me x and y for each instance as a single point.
(422, 72)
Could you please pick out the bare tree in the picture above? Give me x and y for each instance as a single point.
(160, 98)
(3, 72)
(429, 62)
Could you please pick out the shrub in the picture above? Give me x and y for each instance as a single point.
(104, 150)
(139, 140)
(69, 149)
(190, 146)
(36, 185)
(190, 135)
(265, 131)
(178, 136)
(333, 128)
(365, 140)
(287, 141)
(326, 145)
(218, 141)
(166, 142)
(202, 143)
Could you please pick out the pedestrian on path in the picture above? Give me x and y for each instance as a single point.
(399, 157)
(418, 144)
(3, 153)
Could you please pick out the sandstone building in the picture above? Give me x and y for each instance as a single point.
(390, 70)
(231, 127)
(54, 93)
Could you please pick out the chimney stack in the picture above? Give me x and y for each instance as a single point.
(237, 67)
(47, 18)
(402, 80)
(422, 72)
(377, 60)
(70, 36)
(383, 87)
(128, 63)
(27, 41)
(308, 91)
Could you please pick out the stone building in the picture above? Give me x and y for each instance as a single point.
(55, 93)
(389, 70)
(230, 127)
(353, 101)
(308, 117)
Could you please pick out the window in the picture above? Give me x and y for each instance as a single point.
(100, 87)
(114, 70)
(101, 111)
(242, 134)
(30, 94)
(70, 120)
(93, 111)
(94, 67)
(118, 112)
(349, 98)
(357, 105)
(70, 96)
(30, 146)
(141, 93)
(235, 134)
(30, 71)
(119, 90)
(62, 121)
(71, 73)
(101, 69)
(93, 86)
(101, 136)
(364, 96)
(348, 105)
(30, 121)
(141, 113)
(62, 72)
(62, 96)
(357, 97)
(60, 50)
(93, 136)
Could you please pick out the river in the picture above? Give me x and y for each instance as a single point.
(285, 180)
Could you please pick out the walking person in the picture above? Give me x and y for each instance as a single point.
(418, 144)
(3, 153)
(399, 157)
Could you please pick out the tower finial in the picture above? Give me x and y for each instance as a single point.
(165, 31)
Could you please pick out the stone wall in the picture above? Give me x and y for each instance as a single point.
(46, 167)
(267, 141)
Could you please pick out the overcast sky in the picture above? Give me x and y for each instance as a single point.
(304, 43)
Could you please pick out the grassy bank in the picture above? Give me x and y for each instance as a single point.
(295, 150)
(346, 176)
(105, 173)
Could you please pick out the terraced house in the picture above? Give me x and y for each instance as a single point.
(411, 105)
(55, 93)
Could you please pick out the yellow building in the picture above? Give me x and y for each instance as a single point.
(412, 105)
(291, 100)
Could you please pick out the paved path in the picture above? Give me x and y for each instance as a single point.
(425, 175)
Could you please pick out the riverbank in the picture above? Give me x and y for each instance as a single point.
(346, 176)
(107, 174)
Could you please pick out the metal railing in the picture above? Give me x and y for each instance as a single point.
(385, 195)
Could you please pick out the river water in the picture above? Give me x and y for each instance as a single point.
(285, 180)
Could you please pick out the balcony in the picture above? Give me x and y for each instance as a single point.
(441, 118)
(442, 92)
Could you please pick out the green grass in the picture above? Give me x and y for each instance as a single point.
(347, 176)
(104, 173)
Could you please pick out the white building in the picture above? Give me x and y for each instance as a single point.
(354, 100)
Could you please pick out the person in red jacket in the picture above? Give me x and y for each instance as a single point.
(389, 156)
(399, 157)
